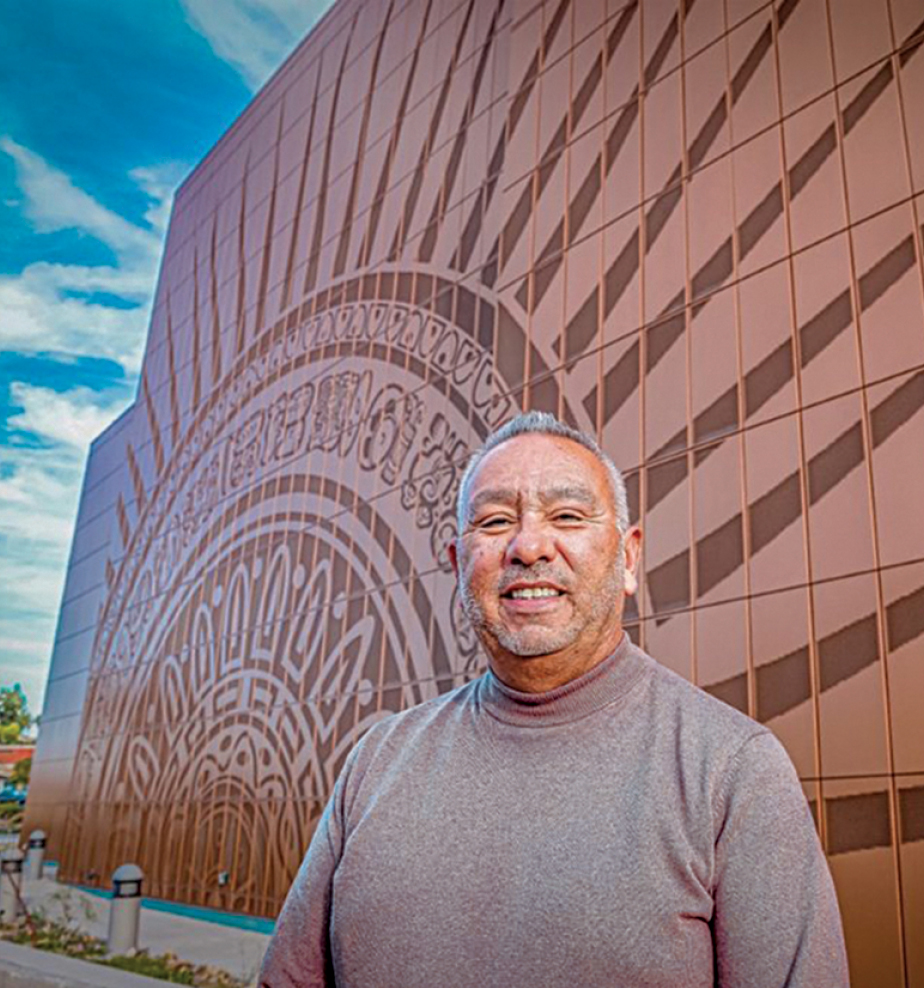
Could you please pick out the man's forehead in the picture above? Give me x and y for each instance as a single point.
(539, 462)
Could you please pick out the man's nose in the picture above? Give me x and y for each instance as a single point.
(532, 542)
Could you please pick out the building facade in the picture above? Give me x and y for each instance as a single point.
(691, 228)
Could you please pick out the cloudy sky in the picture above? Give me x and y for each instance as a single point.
(104, 108)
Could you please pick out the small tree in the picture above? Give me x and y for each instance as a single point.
(9, 733)
(14, 713)
(21, 772)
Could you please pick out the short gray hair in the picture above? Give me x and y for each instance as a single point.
(542, 424)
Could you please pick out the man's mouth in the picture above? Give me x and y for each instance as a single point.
(531, 593)
(532, 590)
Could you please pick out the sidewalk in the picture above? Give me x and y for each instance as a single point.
(23, 967)
(238, 951)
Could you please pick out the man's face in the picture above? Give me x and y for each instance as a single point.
(541, 566)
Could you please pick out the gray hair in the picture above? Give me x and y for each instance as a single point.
(542, 424)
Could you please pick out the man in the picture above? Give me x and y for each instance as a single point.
(579, 816)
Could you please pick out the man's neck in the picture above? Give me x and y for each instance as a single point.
(542, 673)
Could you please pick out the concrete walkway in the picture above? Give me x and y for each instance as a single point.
(237, 951)
(23, 967)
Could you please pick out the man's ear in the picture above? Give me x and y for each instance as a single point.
(453, 554)
(632, 547)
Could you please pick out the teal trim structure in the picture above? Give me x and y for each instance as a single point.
(238, 920)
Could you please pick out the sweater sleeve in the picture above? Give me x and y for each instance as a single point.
(299, 952)
(776, 922)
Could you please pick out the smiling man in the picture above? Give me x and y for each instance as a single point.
(577, 816)
(544, 555)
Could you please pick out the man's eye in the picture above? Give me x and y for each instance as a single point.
(496, 522)
(568, 516)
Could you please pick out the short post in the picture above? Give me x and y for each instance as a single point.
(35, 855)
(125, 910)
(10, 876)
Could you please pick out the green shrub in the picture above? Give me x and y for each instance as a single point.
(65, 938)
(22, 771)
(57, 938)
(11, 815)
(9, 733)
(166, 967)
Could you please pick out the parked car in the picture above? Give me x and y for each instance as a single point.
(12, 794)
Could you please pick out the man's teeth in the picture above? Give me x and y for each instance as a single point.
(527, 593)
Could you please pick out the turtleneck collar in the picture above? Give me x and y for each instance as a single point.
(600, 686)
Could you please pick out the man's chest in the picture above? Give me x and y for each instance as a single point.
(487, 873)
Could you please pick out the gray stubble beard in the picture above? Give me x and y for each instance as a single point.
(516, 642)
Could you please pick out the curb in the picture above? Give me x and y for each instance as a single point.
(25, 967)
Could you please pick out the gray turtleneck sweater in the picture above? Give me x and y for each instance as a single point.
(625, 829)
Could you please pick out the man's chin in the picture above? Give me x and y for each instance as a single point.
(531, 645)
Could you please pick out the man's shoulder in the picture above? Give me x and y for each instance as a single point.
(712, 741)
(430, 717)
(705, 715)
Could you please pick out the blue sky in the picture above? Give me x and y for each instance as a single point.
(104, 108)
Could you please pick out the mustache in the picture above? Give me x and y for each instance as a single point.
(534, 573)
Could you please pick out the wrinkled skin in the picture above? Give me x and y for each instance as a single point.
(542, 569)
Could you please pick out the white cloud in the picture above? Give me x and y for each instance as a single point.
(38, 504)
(159, 184)
(254, 36)
(74, 417)
(36, 314)
(37, 507)
(37, 309)
(51, 307)
(40, 485)
(27, 645)
(52, 202)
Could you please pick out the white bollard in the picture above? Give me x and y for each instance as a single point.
(125, 910)
(10, 877)
(35, 855)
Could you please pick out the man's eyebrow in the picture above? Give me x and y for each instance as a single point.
(493, 495)
(576, 493)
(570, 492)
